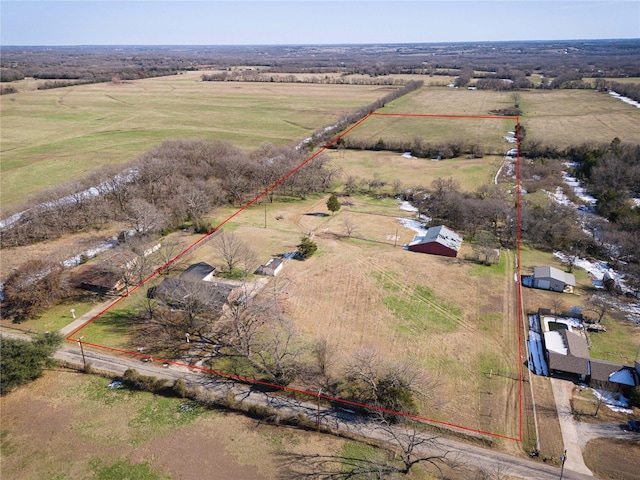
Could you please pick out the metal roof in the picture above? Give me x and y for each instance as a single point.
(556, 274)
(441, 235)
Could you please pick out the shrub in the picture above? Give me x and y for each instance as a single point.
(306, 247)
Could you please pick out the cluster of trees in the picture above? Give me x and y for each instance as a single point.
(505, 60)
(179, 181)
(23, 361)
(33, 287)
(417, 147)
(630, 90)
(486, 215)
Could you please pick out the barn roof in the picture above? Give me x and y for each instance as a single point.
(554, 273)
(441, 235)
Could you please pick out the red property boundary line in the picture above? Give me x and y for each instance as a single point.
(72, 337)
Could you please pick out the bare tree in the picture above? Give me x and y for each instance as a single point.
(557, 303)
(349, 225)
(414, 446)
(144, 217)
(234, 251)
(598, 305)
(397, 385)
(351, 185)
(31, 288)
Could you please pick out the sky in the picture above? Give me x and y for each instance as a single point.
(266, 22)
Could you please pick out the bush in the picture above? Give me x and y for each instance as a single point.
(133, 379)
(306, 248)
(23, 361)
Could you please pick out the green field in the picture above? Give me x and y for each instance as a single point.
(49, 137)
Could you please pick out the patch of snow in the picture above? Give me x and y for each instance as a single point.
(615, 401)
(90, 253)
(407, 207)
(625, 99)
(553, 341)
(414, 225)
(90, 192)
(577, 188)
(597, 269)
(407, 155)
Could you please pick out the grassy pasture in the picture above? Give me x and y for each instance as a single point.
(69, 425)
(390, 166)
(569, 117)
(51, 136)
(559, 117)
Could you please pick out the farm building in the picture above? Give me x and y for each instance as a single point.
(102, 278)
(111, 274)
(550, 278)
(271, 268)
(437, 241)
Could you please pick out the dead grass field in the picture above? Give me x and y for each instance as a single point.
(619, 462)
(454, 318)
(52, 136)
(556, 117)
(69, 425)
(469, 172)
(569, 117)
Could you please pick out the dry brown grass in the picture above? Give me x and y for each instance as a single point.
(360, 293)
(68, 425)
(612, 459)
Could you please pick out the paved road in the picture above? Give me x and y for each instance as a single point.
(339, 420)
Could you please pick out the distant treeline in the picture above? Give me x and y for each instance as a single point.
(513, 61)
(252, 76)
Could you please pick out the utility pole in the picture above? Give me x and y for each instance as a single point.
(318, 414)
(563, 458)
(84, 361)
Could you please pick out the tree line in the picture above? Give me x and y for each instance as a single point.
(256, 76)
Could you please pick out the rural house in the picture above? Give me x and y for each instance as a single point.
(199, 272)
(550, 278)
(557, 345)
(437, 241)
(196, 284)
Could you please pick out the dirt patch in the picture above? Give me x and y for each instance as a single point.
(189, 452)
(613, 459)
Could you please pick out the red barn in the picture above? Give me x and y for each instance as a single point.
(437, 241)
